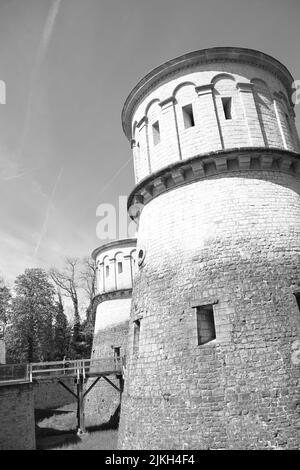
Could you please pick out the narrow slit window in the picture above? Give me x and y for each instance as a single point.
(120, 267)
(107, 271)
(206, 329)
(297, 295)
(136, 336)
(188, 116)
(156, 133)
(227, 105)
(117, 353)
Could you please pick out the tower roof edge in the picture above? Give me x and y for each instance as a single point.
(121, 243)
(215, 54)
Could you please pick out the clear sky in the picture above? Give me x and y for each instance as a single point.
(68, 66)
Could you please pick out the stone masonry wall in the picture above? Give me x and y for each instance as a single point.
(17, 430)
(103, 401)
(231, 241)
(52, 395)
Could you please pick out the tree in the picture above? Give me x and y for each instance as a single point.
(33, 313)
(88, 278)
(68, 281)
(62, 333)
(5, 307)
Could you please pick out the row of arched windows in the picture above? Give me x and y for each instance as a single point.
(117, 272)
(220, 117)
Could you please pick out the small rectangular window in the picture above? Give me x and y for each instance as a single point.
(226, 102)
(297, 295)
(205, 324)
(188, 116)
(156, 133)
(117, 352)
(107, 271)
(120, 267)
(136, 336)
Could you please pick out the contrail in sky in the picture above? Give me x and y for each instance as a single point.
(44, 227)
(18, 175)
(41, 53)
(114, 176)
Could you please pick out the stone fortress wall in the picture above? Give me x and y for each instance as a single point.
(17, 430)
(115, 271)
(214, 311)
(50, 394)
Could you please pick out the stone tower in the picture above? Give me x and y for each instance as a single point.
(215, 309)
(115, 269)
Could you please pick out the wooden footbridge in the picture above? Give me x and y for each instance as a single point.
(80, 370)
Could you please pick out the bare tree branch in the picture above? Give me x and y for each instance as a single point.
(88, 277)
(68, 281)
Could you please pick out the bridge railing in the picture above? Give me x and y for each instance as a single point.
(48, 370)
(75, 368)
(14, 373)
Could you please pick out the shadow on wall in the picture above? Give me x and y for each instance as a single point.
(49, 395)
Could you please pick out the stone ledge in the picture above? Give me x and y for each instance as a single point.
(113, 295)
(191, 60)
(120, 243)
(211, 164)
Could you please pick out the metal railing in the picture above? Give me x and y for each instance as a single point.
(14, 373)
(74, 368)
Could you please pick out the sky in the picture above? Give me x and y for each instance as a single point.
(68, 66)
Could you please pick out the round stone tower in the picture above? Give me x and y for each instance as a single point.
(115, 270)
(215, 310)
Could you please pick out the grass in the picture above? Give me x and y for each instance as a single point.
(56, 430)
(97, 440)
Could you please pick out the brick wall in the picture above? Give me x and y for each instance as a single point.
(231, 241)
(17, 430)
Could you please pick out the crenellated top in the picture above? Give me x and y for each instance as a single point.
(210, 100)
(116, 264)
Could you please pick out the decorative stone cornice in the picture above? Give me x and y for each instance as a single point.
(204, 89)
(113, 295)
(208, 165)
(142, 122)
(167, 101)
(191, 60)
(122, 243)
(245, 87)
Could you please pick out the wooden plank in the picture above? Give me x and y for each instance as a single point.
(39, 371)
(80, 408)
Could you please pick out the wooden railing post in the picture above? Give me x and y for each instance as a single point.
(80, 398)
